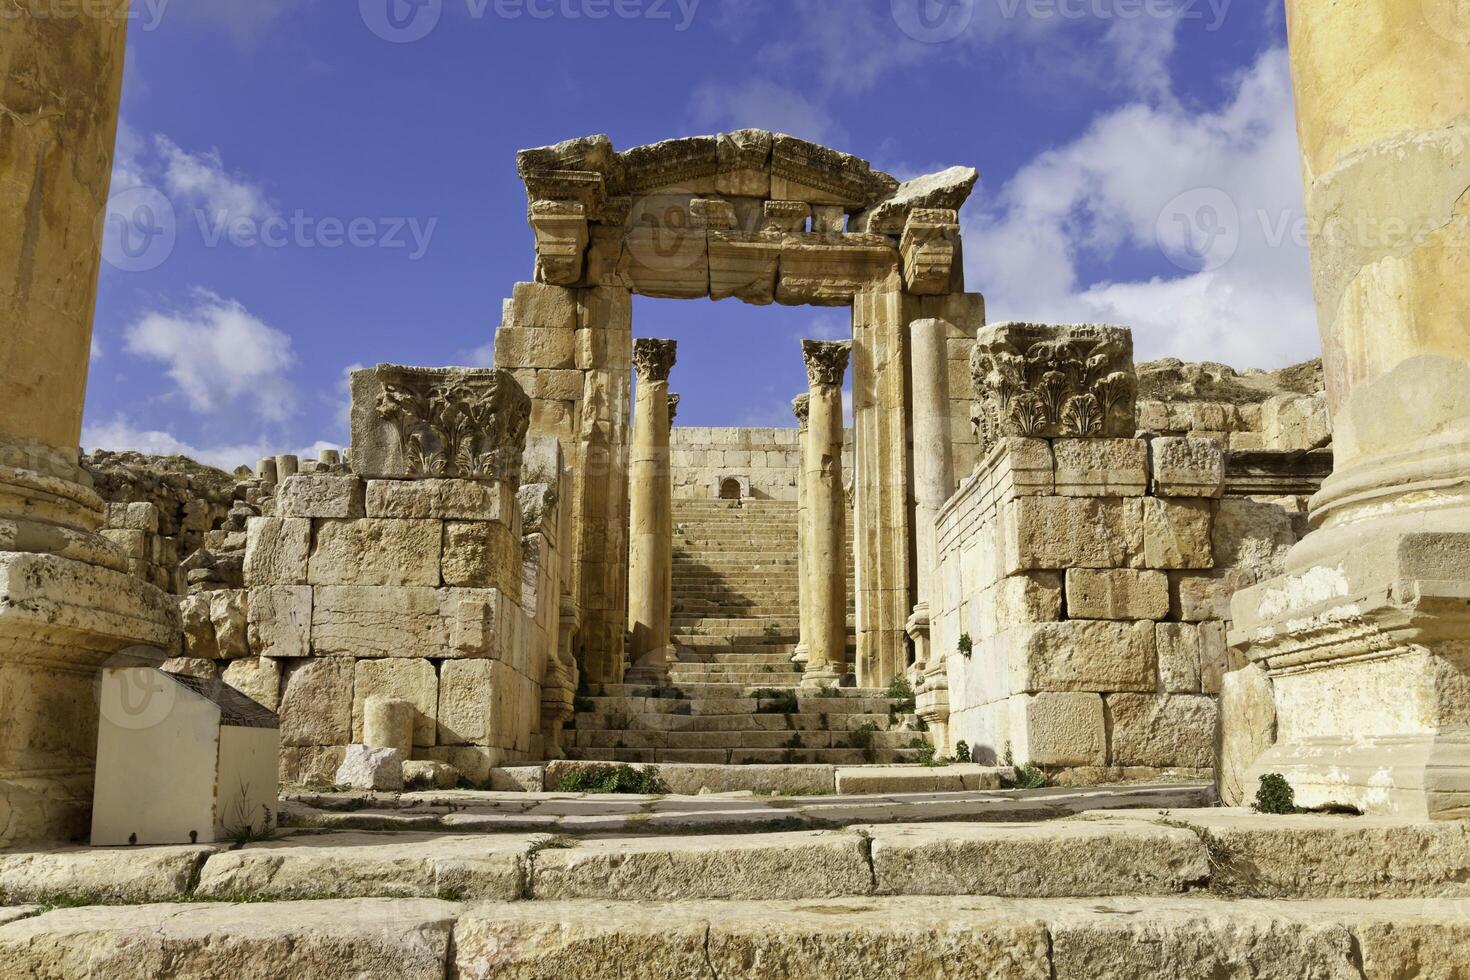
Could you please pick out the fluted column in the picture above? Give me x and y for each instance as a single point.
(933, 448)
(1367, 638)
(67, 602)
(650, 546)
(800, 407)
(826, 580)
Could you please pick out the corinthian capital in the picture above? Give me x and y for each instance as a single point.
(654, 359)
(801, 407)
(826, 361)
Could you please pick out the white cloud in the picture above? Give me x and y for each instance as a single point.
(762, 104)
(201, 179)
(1104, 194)
(219, 356)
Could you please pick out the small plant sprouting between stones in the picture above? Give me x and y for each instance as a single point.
(902, 692)
(1027, 776)
(614, 779)
(583, 706)
(862, 739)
(962, 751)
(772, 701)
(1275, 795)
(925, 753)
(828, 692)
(773, 630)
(967, 646)
(788, 757)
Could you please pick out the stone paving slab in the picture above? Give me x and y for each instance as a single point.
(919, 779)
(104, 874)
(1325, 856)
(563, 813)
(481, 867)
(956, 938)
(1056, 859)
(364, 939)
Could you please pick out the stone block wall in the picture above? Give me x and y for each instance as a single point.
(1075, 614)
(409, 589)
(767, 460)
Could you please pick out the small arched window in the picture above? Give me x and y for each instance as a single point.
(730, 490)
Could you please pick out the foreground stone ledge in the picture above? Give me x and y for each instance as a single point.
(1324, 856)
(767, 866)
(480, 868)
(369, 939)
(1117, 939)
(149, 874)
(1055, 859)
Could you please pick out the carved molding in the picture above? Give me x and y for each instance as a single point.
(1034, 380)
(654, 359)
(456, 424)
(930, 246)
(826, 361)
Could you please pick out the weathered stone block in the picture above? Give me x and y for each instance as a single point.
(388, 723)
(1101, 467)
(371, 769)
(1198, 596)
(468, 698)
(1071, 532)
(280, 621)
(535, 304)
(1179, 657)
(1253, 538)
(376, 552)
(313, 765)
(413, 681)
(277, 551)
(1023, 467)
(1117, 594)
(134, 516)
(1247, 729)
(1214, 656)
(1166, 731)
(198, 629)
(1176, 533)
(481, 623)
(1059, 729)
(321, 495)
(1083, 655)
(316, 702)
(258, 678)
(357, 621)
(1185, 467)
(534, 347)
(481, 555)
(446, 500)
(228, 616)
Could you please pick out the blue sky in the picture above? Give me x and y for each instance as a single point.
(341, 190)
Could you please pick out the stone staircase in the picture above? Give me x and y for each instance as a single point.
(735, 626)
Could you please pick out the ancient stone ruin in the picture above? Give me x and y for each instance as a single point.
(846, 680)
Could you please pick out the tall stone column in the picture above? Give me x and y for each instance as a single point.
(933, 450)
(674, 399)
(67, 603)
(1367, 638)
(826, 580)
(800, 406)
(651, 502)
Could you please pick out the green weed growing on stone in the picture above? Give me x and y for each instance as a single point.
(1275, 795)
(613, 779)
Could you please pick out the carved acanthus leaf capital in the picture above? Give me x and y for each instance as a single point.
(654, 359)
(453, 423)
(826, 361)
(801, 407)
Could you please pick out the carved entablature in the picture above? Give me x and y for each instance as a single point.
(929, 247)
(757, 215)
(826, 361)
(654, 359)
(1041, 381)
(431, 423)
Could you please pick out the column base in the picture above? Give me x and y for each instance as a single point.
(813, 678)
(1368, 650)
(60, 621)
(801, 655)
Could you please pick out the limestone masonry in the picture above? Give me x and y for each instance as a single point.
(530, 681)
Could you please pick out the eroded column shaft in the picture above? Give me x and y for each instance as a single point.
(826, 632)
